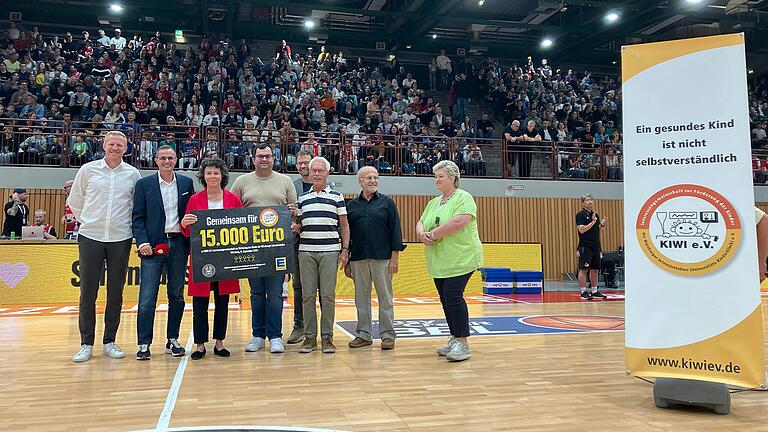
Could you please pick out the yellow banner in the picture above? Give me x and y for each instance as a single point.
(35, 273)
(693, 307)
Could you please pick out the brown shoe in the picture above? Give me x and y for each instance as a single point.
(308, 346)
(387, 344)
(359, 342)
(328, 346)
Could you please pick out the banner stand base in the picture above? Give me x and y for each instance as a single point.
(710, 395)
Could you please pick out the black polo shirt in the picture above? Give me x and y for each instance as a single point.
(374, 228)
(591, 238)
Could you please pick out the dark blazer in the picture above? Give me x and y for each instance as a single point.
(148, 210)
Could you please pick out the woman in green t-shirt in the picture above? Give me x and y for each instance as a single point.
(448, 229)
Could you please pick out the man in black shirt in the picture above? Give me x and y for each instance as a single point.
(588, 224)
(512, 136)
(530, 135)
(16, 214)
(448, 129)
(485, 127)
(375, 244)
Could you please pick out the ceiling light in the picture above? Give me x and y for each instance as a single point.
(114, 7)
(751, 71)
(693, 1)
(612, 17)
(308, 23)
(434, 36)
(481, 2)
(409, 46)
(613, 62)
(546, 43)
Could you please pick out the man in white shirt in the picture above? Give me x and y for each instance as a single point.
(408, 81)
(439, 117)
(118, 41)
(159, 203)
(102, 200)
(444, 66)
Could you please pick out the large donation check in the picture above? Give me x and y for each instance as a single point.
(229, 244)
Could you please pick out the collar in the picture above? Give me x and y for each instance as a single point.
(375, 196)
(326, 190)
(163, 182)
(103, 164)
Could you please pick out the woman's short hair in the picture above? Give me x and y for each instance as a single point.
(213, 162)
(450, 168)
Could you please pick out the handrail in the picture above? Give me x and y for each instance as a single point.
(401, 155)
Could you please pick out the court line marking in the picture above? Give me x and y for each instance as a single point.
(245, 428)
(173, 391)
(511, 300)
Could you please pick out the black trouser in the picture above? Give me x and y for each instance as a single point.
(451, 291)
(93, 255)
(524, 161)
(200, 315)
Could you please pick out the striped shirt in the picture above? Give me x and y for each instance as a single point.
(319, 212)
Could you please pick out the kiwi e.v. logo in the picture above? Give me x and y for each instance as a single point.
(688, 229)
(13, 273)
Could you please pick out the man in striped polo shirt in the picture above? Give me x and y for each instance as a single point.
(321, 212)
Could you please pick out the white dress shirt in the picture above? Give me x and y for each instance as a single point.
(170, 193)
(102, 200)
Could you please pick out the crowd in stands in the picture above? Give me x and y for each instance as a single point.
(218, 98)
(560, 105)
(758, 118)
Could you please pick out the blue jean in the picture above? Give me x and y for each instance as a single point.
(175, 265)
(267, 306)
(461, 104)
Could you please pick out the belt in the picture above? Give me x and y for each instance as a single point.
(172, 235)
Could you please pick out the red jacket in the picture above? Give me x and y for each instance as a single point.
(199, 201)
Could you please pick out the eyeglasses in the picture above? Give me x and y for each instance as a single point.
(263, 157)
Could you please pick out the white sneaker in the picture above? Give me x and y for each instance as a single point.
(459, 352)
(255, 344)
(113, 351)
(276, 345)
(444, 350)
(285, 289)
(83, 354)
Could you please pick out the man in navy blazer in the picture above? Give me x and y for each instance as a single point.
(159, 204)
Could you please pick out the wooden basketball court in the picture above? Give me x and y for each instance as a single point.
(535, 382)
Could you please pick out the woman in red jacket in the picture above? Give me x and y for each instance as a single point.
(213, 174)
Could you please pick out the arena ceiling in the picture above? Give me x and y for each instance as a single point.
(578, 29)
